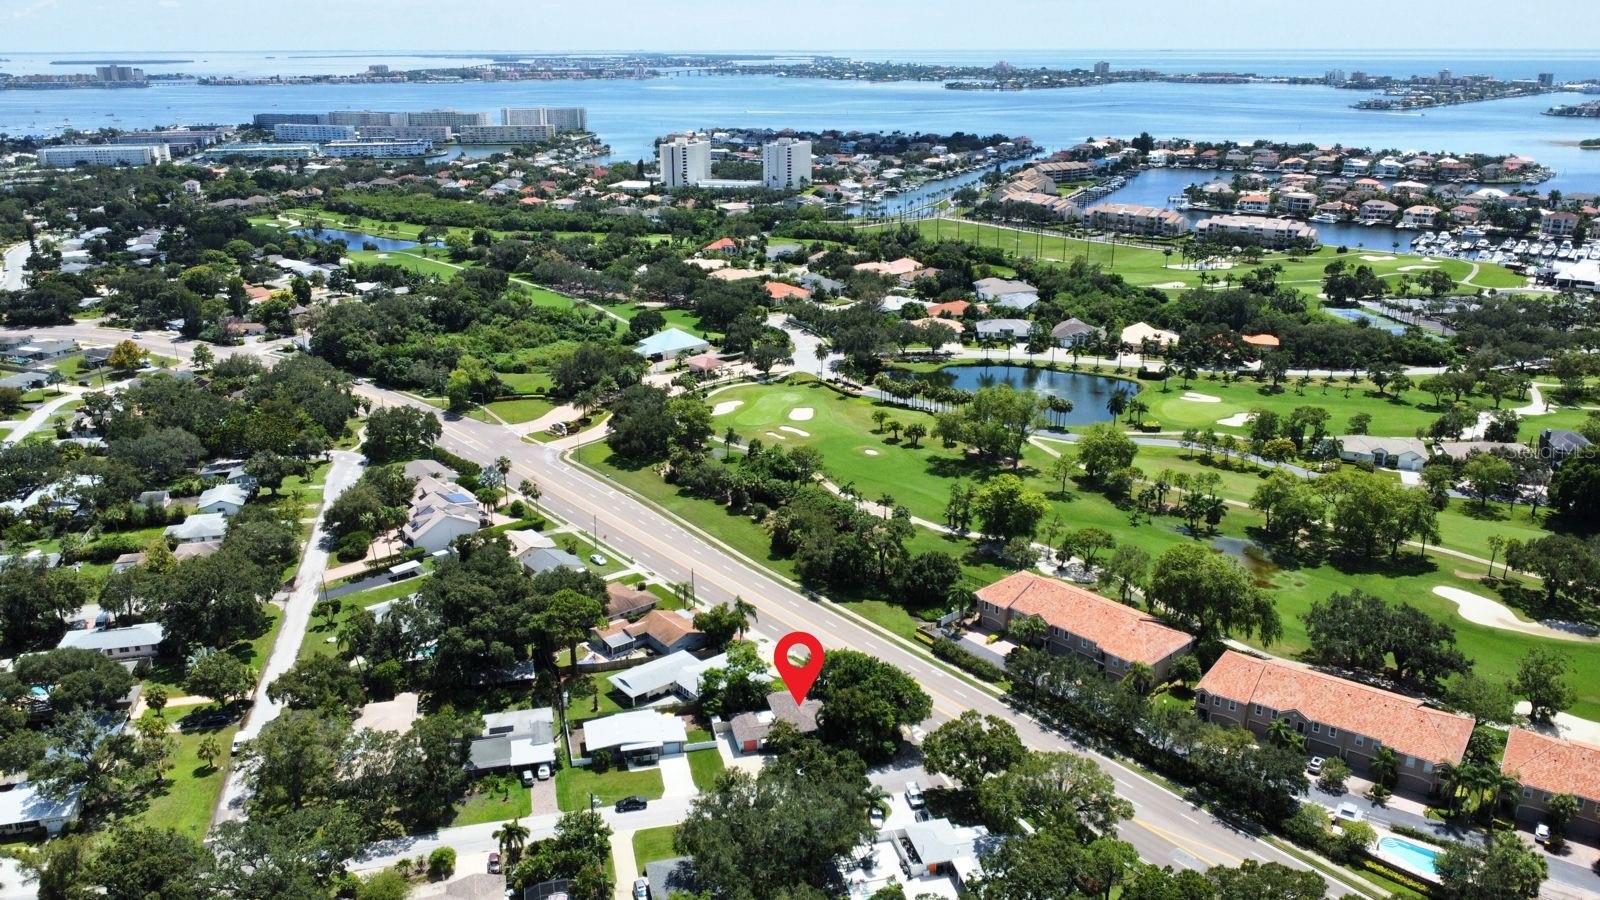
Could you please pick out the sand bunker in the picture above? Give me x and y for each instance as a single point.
(1370, 258)
(870, 452)
(774, 434)
(1170, 286)
(1237, 420)
(725, 407)
(793, 430)
(1484, 611)
(1414, 268)
(801, 414)
(1193, 397)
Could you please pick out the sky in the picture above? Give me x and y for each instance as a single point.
(722, 25)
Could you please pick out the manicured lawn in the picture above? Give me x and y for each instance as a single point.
(583, 709)
(192, 787)
(526, 382)
(921, 479)
(1141, 265)
(521, 409)
(574, 785)
(651, 844)
(705, 764)
(406, 259)
(318, 632)
(494, 800)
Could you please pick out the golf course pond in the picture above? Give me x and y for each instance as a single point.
(1088, 393)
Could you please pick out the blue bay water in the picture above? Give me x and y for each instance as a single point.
(629, 114)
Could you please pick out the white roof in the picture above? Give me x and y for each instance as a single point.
(225, 493)
(23, 804)
(147, 634)
(528, 539)
(680, 668)
(201, 525)
(644, 726)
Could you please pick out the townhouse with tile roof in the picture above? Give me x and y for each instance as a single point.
(1546, 766)
(1337, 717)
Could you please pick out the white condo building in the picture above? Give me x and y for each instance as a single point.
(786, 164)
(452, 118)
(320, 134)
(65, 157)
(561, 118)
(684, 162)
(377, 149)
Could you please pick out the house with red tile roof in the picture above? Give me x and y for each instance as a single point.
(721, 245)
(1108, 634)
(1546, 766)
(662, 631)
(953, 309)
(777, 290)
(1336, 716)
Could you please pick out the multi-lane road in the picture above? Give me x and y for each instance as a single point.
(1166, 829)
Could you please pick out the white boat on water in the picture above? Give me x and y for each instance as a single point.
(1522, 247)
(1325, 218)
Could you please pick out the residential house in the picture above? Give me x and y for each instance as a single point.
(778, 291)
(626, 601)
(1017, 295)
(661, 631)
(1545, 766)
(1108, 634)
(750, 729)
(1419, 217)
(1298, 203)
(1556, 444)
(198, 528)
(1075, 332)
(1378, 211)
(897, 268)
(1255, 203)
(224, 499)
(441, 511)
(1338, 718)
(1406, 454)
(674, 675)
(1355, 166)
(154, 499)
(1557, 224)
(129, 642)
(640, 736)
(513, 741)
(1388, 167)
(1004, 329)
(1139, 334)
(42, 351)
(24, 810)
(725, 246)
(950, 309)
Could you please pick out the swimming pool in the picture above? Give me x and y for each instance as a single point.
(1417, 857)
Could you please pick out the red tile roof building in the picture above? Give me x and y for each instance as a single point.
(1546, 766)
(1107, 633)
(1337, 717)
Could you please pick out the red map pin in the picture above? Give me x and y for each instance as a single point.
(798, 677)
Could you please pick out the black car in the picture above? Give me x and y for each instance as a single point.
(631, 804)
(204, 721)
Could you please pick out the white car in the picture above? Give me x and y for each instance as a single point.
(527, 778)
(543, 772)
(1542, 833)
(597, 559)
(641, 889)
(914, 795)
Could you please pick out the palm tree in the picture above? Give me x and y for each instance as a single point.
(513, 836)
(746, 611)
(1283, 734)
(1117, 403)
(503, 466)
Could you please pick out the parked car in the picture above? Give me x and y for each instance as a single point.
(1542, 833)
(527, 778)
(597, 559)
(641, 889)
(914, 794)
(1348, 812)
(631, 804)
(544, 772)
(1315, 766)
(494, 864)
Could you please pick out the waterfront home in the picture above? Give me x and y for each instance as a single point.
(1297, 203)
(1409, 188)
(1406, 454)
(1366, 186)
(1337, 717)
(1557, 224)
(129, 642)
(1419, 217)
(1017, 295)
(1255, 203)
(1004, 329)
(1271, 233)
(1464, 214)
(1293, 164)
(1451, 169)
(1324, 164)
(1076, 333)
(1355, 166)
(1130, 218)
(1378, 211)
(1546, 766)
(1236, 158)
(1336, 208)
(1065, 171)
(1110, 635)
(1140, 334)
(1388, 167)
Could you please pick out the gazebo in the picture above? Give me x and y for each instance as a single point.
(705, 363)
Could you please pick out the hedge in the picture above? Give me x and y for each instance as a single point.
(953, 653)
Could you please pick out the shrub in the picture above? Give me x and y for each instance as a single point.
(600, 762)
(442, 863)
(353, 546)
(1334, 773)
(956, 655)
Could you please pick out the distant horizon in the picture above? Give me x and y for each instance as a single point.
(1074, 51)
(1076, 26)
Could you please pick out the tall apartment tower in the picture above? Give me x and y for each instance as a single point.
(786, 164)
(684, 162)
(561, 118)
